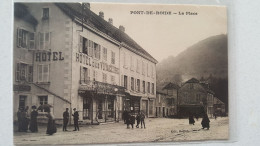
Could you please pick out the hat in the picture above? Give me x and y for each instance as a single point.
(67, 108)
(33, 107)
(74, 109)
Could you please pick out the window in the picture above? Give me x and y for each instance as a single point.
(148, 87)
(152, 88)
(148, 73)
(143, 86)
(45, 13)
(138, 66)
(104, 78)
(143, 68)
(138, 85)
(85, 46)
(22, 100)
(132, 63)
(125, 82)
(95, 75)
(152, 71)
(24, 72)
(43, 100)
(105, 54)
(86, 108)
(30, 74)
(25, 39)
(91, 48)
(43, 72)
(197, 97)
(132, 84)
(113, 57)
(191, 86)
(44, 40)
(84, 75)
(97, 51)
(113, 81)
(125, 60)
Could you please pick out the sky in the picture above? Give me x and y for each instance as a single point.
(165, 35)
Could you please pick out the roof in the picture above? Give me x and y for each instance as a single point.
(21, 11)
(204, 85)
(171, 86)
(192, 80)
(74, 10)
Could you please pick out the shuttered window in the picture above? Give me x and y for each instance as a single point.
(43, 72)
(44, 40)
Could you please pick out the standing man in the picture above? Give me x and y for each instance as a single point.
(142, 117)
(65, 119)
(76, 119)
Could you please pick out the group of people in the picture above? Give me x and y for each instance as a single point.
(129, 119)
(25, 120)
(205, 121)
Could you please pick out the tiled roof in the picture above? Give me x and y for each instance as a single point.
(171, 86)
(192, 80)
(74, 10)
(21, 11)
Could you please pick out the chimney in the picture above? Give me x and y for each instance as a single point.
(86, 5)
(110, 20)
(101, 14)
(122, 28)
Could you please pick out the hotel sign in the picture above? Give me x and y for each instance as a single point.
(48, 56)
(86, 60)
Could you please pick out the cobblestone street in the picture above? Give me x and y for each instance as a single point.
(157, 130)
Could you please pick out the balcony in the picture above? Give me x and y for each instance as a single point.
(100, 87)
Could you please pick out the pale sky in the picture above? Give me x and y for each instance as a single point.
(166, 35)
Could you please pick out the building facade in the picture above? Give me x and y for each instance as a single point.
(77, 62)
(194, 98)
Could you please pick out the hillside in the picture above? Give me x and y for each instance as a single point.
(206, 57)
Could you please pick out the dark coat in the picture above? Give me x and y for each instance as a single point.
(65, 116)
(51, 126)
(205, 121)
(33, 124)
(75, 116)
(191, 120)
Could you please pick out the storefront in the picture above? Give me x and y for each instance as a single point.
(101, 102)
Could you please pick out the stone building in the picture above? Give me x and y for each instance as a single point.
(74, 59)
(194, 98)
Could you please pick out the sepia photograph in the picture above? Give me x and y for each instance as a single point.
(116, 73)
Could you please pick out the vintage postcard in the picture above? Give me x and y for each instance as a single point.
(97, 73)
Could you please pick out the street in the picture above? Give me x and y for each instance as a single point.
(157, 130)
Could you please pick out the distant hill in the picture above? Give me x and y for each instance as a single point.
(205, 58)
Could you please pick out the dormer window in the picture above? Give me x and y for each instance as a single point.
(45, 13)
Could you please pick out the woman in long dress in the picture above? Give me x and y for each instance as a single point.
(205, 122)
(33, 124)
(51, 127)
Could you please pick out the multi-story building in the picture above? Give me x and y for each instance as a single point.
(166, 100)
(77, 62)
(194, 98)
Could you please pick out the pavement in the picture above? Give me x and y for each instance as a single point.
(157, 130)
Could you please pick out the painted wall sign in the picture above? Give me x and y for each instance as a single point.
(86, 60)
(22, 88)
(48, 56)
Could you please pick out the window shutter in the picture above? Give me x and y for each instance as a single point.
(122, 80)
(81, 73)
(39, 73)
(135, 86)
(49, 41)
(18, 40)
(80, 43)
(129, 83)
(31, 40)
(18, 72)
